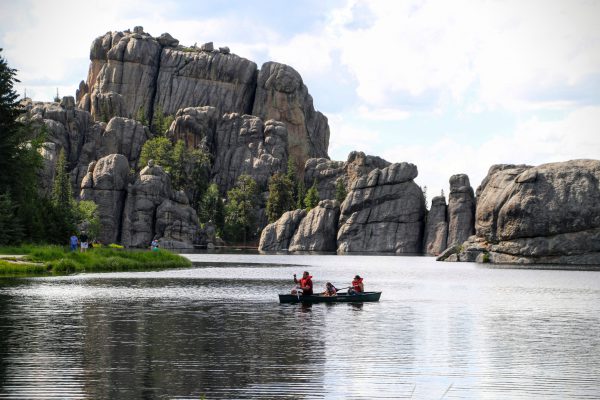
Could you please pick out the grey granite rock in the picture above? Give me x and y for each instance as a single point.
(318, 229)
(124, 136)
(461, 209)
(105, 184)
(436, 227)
(281, 95)
(384, 212)
(196, 126)
(530, 215)
(277, 236)
(246, 145)
(327, 172)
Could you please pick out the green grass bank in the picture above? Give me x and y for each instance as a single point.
(49, 260)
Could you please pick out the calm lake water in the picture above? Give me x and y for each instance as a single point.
(441, 330)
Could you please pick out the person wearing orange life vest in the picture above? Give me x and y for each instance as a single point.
(357, 286)
(305, 285)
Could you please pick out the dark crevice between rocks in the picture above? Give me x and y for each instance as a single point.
(151, 104)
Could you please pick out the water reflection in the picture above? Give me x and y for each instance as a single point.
(218, 331)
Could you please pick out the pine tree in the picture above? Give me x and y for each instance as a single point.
(281, 196)
(11, 231)
(300, 194)
(62, 199)
(312, 197)
(240, 218)
(340, 191)
(211, 208)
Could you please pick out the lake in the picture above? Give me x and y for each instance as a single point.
(440, 330)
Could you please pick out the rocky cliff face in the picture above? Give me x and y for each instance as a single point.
(544, 214)
(461, 209)
(436, 228)
(384, 212)
(327, 172)
(136, 75)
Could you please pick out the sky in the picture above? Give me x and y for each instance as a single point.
(452, 87)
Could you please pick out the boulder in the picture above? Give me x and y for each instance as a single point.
(546, 214)
(124, 136)
(246, 145)
(277, 236)
(436, 227)
(281, 95)
(196, 126)
(318, 230)
(151, 188)
(166, 40)
(105, 184)
(461, 210)
(176, 224)
(384, 212)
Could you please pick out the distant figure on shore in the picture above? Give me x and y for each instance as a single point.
(154, 245)
(304, 285)
(74, 241)
(357, 286)
(84, 242)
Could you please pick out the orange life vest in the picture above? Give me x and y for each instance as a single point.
(356, 285)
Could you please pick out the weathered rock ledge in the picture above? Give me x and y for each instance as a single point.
(548, 214)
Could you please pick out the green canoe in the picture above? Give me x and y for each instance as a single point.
(340, 298)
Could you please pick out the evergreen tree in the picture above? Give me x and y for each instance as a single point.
(161, 122)
(281, 196)
(312, 197)
(212, 208)
(62, 199)
(87, 218)
(340, 191)
(300, 194)
(159, 149)
(240, 218)
(11, 231)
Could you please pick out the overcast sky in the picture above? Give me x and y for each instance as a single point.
(451, 86)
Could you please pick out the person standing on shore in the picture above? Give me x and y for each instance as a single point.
(84, 242)
(74, 241)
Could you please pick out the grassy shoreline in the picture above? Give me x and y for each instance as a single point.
(56, 260)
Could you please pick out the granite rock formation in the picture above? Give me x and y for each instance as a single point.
(153, 210)
(281, 95)
(135, 75)
(105, 183)
(277, 236)
(318, 229)
(246, 145)
(384, 212)
(461, 209)
(327, 172)
(436, 227)
(544, 214)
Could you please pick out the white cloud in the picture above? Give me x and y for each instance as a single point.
(351, 137)
(512, 53)
(533, 142)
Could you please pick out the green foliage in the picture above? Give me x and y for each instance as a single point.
(62, 200)
(486, 257)
(11, 231)
(340, 191)
(115, 246)
(140, 116)
(87, 217)
(211, 208)
(58, 260)
(189, 168)
(161, 122)
(281, 196)
(311, 200)
(159, 149)
(240, 218)
(300, 194)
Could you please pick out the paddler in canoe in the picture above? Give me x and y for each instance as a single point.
(304, 285)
